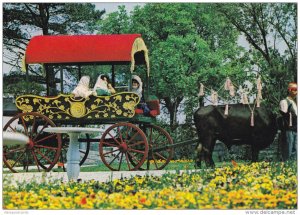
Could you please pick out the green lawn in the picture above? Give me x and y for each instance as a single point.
(173, 165)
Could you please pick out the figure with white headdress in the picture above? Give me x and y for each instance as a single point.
(137, 87)
(82, 89)
(103, 86)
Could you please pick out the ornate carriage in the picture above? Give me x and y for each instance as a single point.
(114, 115)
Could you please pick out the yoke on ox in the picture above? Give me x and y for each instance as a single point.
(233, 129)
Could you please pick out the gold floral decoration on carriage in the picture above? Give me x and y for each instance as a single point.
(68, 107)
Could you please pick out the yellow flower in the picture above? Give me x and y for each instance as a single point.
(10, 206)
(128, 188)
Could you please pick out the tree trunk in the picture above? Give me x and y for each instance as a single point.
(51, 85)
(172, 107)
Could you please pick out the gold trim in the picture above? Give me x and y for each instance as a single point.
(139, 45)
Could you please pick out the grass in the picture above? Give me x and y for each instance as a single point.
(173, 165)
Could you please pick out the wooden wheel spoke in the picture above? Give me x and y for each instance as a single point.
(114, 138)
(136, 143)
(19, 158)
(155, 141)
(159, 155)
(127, 133)
(154, 161)
(35, 160)
(44, 126)
(150, 136)
(43, 156)
(14, 150)
(137, 151)
(14, 129)
(27, 163)
(46, 147)
(134, 157)
(127, 161)
(45, 153)
(110, 152)
(24, 125)
(120, 161)
(114, 158)
(45, 138)
(132, 137)
(109, 144)
(120, 134)
(32, 129)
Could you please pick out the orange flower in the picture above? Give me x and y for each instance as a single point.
(234, 163)
(59, 164)
(142, 200)
(83, 201)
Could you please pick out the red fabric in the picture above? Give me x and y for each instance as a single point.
(139, 111)
(154, 113)
(80, 48)
(154, 105)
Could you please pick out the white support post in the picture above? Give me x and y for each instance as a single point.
(73, 157)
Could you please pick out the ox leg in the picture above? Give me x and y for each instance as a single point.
(208, 160)
(204, 151)
(199, 155)
(208, 151)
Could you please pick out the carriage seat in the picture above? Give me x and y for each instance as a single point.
(154, 108)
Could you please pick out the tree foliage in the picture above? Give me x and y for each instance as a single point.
(188, 44)
(22, 21)
(271, 30)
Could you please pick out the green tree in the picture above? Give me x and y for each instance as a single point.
(116, 23)
(271, 30)
(21, 21)
(188, 44)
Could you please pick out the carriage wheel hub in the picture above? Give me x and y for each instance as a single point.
(123, 147)
(30, 144)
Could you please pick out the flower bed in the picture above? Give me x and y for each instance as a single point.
(254, 186)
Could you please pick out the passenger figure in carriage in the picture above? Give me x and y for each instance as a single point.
(82, 89)
(137, 87)
(103, 86)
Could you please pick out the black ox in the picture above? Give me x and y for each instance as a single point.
(234, 129)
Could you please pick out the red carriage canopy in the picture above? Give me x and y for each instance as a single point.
(74, 49)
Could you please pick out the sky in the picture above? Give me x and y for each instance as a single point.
(111, 7)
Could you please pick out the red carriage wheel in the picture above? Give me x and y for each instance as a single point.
(43, 149)
(84, 151)
(121, 143)
(157, 137)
